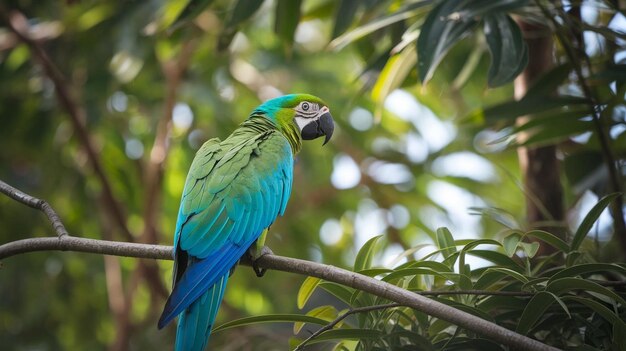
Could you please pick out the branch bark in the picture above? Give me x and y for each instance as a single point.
(379, 288)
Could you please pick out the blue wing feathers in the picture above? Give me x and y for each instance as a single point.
(195, 323)
(199, 226)
(198, 277)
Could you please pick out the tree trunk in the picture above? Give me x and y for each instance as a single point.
(539, 165)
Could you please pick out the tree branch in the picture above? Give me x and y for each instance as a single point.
(338, 275)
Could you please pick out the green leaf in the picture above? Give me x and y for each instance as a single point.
(445, 242)
(327, 313)
(509, 53)
(347, 334)
(472, 243)
(535, 308)
(344, 15)
(587, 268)
(270, 318)
(468, 68)
(582, 165)
(563, 285)
(306, 290)
(372, 272)
(241, 11)
(548, 82)
(341, 292)
(416, 341)
(548, 238)
(619, 337)
(464, 269)
(611, 73)
(492, 7)
(366, 253)
(286, 20)
(563, 305)
(393, 74)
(590, 219)
(407, 253)
(434, 265)
(533, 284)
(530, 249)
(440, 31)
(459, 343)
(514, 241)
(191, 11)
(511, 273)
(405, 12)
(550, 133)
(572, 257)
(597, 307)
(497, 215)
(488, 279)
(511, 242)
(510, 110)
(463, 307)
(498, 258)
(412, 272)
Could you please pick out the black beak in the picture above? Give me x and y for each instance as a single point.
(322, 126)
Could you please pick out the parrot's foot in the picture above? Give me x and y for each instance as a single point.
(255, 256)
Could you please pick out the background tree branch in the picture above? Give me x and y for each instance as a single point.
(66, 242)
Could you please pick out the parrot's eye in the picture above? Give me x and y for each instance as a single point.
(305, 106)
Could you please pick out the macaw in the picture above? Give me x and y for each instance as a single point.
(235, 190)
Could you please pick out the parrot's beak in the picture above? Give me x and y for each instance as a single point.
(324, 125)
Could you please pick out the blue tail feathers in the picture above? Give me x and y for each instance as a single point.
(195, 322)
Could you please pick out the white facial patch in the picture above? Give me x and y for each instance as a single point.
(302, 122)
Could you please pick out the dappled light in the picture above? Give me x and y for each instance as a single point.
(476, 162)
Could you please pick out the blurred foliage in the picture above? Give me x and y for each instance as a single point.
(406, 158)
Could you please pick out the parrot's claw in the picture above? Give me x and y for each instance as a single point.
(256, 256)
(260, 272)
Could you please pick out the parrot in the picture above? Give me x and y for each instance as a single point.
(235, 189)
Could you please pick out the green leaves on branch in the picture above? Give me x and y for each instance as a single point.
(509, 53)
(345, 15)
(509, 284)
(191, 10)
(241, 11)
(270, 318)
(442, 28)
(452, 20)
(287, 19)
(590, 219)
(364, 257)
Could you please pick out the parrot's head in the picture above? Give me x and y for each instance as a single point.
(307, 113)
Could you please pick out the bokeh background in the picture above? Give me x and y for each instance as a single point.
(153, 80)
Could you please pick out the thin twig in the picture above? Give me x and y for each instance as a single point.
(293, 265)
(341, 317)
(35, 203)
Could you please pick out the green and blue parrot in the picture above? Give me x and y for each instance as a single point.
(234, 191)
